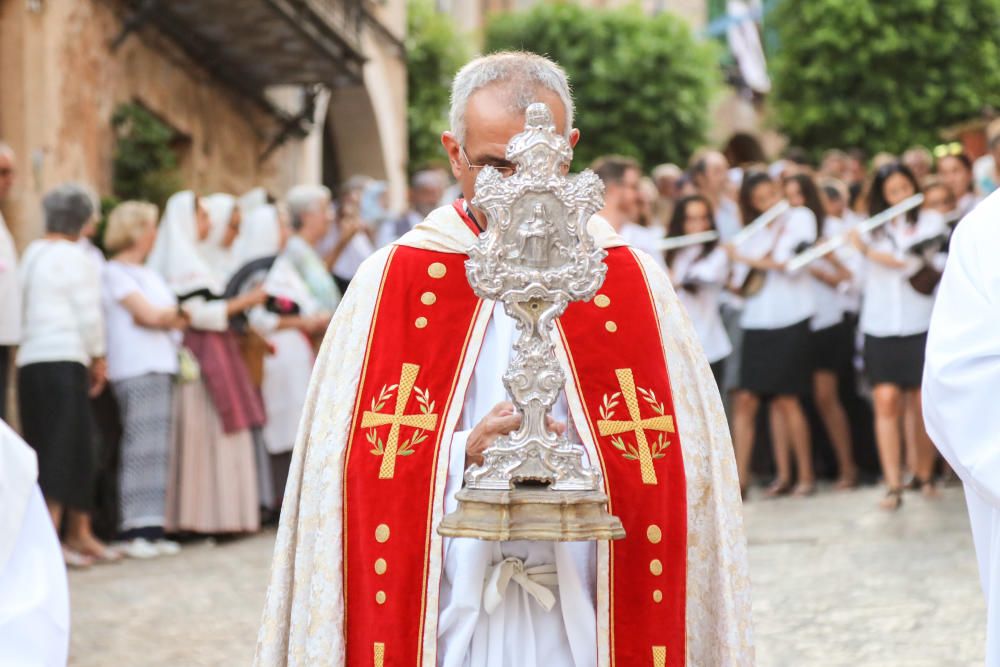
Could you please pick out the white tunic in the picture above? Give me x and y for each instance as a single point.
(961, 384)
(519, 631)
(34, 600)
(707, 275)
(833, 302)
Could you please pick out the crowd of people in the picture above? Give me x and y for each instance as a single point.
(199, 326)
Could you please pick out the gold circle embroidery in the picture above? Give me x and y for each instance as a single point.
(602, 301)
(428, 298)
(381, 566)
(380, 597)
(382, 533)
(657, 596)
(654, 534)
(611, 326)
(421, 322)
(437, 270)
(656, 567)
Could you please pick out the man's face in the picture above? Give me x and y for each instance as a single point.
(489, 126)
(426, 199)
(7, 173)
(625, 196)
(715, 178)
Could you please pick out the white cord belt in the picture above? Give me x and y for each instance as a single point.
(536, 582)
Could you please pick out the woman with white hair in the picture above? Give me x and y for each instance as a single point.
(212, 486)
(308, 206)
(143, 323)
(60, 364)
(291, 321)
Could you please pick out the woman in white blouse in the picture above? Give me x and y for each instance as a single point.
(699, 274)
(895, 318)
(831, 334)
(776, 347)
(143, 324)
(60, 363)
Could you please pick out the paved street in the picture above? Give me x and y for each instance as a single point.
(836, 583)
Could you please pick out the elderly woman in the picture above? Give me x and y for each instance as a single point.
(143, 323)
(213, 478)
(290, 321)
(309, 207)
(59, 364)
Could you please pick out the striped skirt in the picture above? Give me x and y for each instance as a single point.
(145, 404)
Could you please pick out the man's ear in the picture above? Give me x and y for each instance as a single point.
(574, 136)
(453, 149)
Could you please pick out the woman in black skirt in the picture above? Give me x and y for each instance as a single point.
(776, 350)
(831, 335)
(895, 318)
(59, 364)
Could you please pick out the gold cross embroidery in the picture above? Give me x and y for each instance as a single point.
(397, 419)
(636, 424)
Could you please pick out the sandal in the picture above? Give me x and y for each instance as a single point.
(928, 488)
(75, 560)
(804, 490)
(778, 488)
(893, 500)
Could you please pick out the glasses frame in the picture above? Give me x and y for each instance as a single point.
(505, 172)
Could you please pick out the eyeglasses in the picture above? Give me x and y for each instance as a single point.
(945, 150)
(505, 171)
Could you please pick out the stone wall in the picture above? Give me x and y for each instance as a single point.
(60, 83)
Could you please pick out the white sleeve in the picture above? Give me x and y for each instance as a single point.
(710, 270)
(84, 289)
(263, 321)
(800, 229)
(207, 315)
(962, 371)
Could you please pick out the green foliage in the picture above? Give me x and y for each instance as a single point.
(144, 164)
(882, 75)
(434, 52)
(642, 84)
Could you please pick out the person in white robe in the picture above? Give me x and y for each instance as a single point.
(288, 323)
(539, 605)
(218, 248)
(961, 384)
(34, 596)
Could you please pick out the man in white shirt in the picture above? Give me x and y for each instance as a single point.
(710, 172)
(10, 294)
(621, 176)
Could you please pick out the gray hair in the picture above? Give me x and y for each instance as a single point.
(427, 178)
(521, 73)
(67, 208)
(303, 199)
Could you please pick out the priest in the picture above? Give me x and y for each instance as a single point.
(961, 384)
(407, 394)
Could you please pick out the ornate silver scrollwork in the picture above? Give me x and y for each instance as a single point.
(536, 256)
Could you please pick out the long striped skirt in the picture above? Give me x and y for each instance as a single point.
(145, 404)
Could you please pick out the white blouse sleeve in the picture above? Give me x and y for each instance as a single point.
(207, 315)
(800, 229)
(711, 269)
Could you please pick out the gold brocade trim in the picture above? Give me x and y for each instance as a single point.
(357, 407)
(659, 656)
(379, 660)
(429, 533)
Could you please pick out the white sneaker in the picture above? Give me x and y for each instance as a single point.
(167, 547)
(140, 547)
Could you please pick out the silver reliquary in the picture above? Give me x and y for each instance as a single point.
(536, 256)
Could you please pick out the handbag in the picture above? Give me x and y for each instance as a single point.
(188, 368)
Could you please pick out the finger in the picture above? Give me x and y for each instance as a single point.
(506, 424)
(557, 427)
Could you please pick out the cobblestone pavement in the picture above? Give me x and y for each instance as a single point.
(836, 582)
